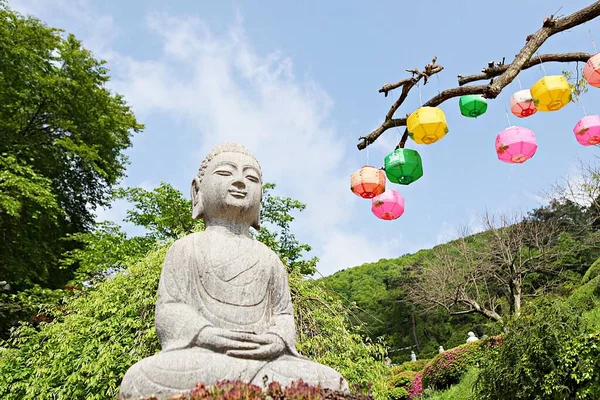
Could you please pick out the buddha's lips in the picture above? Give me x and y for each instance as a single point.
(237, 193)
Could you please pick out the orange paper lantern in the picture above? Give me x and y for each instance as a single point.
(367, 182)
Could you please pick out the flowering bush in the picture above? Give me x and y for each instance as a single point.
(238, 390)
(448, 367)
(416, 386)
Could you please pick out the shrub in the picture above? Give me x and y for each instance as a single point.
(592, 272)
(461, 391)
(416, 386)
(448, 367)
(587, 296)
(415, 366)
(547, 353)
(399, 384)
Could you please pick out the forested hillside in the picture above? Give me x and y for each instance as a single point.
(435, 297)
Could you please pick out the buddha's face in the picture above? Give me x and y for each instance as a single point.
(232, 187)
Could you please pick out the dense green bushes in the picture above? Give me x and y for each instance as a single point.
(592, 272)
(85, 351)
(547, 353)
(399, 383)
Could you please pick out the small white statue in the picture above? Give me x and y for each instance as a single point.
(441, 350)
(472, 337)
(413, 356)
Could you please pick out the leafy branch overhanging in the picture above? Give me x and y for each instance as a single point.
(499, 73)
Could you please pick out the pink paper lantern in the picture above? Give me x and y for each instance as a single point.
(388, 205)
(521, 104)
(587, 130)
(515, 145)
(591, 70)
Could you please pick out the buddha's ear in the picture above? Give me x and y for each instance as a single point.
(256, 219)
(197, 206)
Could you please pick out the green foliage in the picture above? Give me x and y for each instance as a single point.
(399, 383)
(587, 296)
(414, 366)
(376, 291)
(448, 367)
(592, 272)
(104, 250)
(276, 213)
(578, 84)
(323, 334)
(163, 211)
(63, 134)
(547, 353)
(94, 338)
(90, 344)
(461, 391)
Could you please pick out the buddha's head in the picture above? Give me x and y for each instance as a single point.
(228, 186)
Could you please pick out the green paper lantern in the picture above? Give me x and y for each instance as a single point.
(472, 105)
(403, 166)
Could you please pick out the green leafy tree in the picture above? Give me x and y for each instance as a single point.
(547, 353)
(62, 137)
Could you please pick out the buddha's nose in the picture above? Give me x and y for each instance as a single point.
(238, 183)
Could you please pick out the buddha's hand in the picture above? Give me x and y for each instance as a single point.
(223, 340)
(269, 346)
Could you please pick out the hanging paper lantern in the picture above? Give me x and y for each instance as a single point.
(515, 145)
(591, 71)
(388, 205)
(472, 105)
(367, 182)
(521, 104)
(587, 130)
(551, 93)
(403, 166)
(427, 125)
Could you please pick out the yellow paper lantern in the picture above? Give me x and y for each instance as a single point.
(427, 125)
(551, 93)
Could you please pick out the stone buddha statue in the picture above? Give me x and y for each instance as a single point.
(224, 309)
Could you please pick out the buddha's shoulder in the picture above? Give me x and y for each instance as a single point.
(189, 241)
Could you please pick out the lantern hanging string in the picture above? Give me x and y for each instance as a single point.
(507, 117)
(592, 39)
(542, 64)
(420, 99)
(519, 81)
(583, 108)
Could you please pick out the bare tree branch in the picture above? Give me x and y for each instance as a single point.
(495, 70)
(505, 73)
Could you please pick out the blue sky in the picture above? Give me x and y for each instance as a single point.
(296, 82)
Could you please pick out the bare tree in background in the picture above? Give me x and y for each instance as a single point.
(490, 273)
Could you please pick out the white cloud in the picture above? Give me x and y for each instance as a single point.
(225, 89)
(345, 250)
